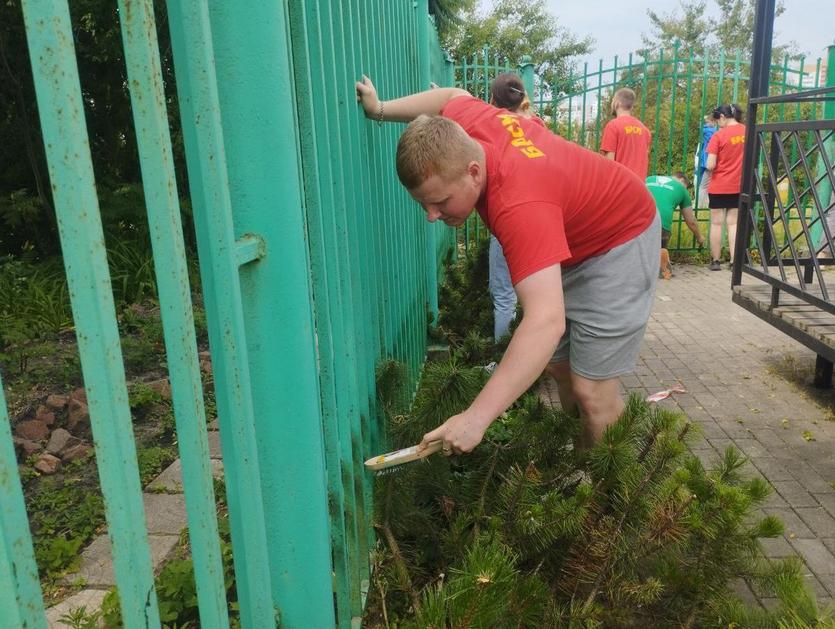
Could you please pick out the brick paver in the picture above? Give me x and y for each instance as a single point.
(165, 515)
(732, 365)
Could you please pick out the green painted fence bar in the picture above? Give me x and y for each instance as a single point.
(659, 90)
(211, 197)
(687, 114)
(52, 51)
(332, 292)
(162, 201)
(432, 229)
(673, 91)
(277, 302)
(824, 189)
(21, 604)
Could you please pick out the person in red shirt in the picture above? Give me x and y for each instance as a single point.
(625, 138)
(580, 234)
(724, 159)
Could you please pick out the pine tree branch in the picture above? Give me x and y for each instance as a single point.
(394, 548)
(651, 440)
(516, 498)
(618, 529)
(646, 542)
(383, 603)
(494, 458)
(400, 563)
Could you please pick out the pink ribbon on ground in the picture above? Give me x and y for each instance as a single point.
(663, 395)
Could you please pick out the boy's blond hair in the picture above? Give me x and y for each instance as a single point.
(625, 97)
(434, 145)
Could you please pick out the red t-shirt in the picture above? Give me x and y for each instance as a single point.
(629, 140)
(728, 144)
(548, 200)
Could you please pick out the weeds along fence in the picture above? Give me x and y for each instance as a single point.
(674, 89)
(315, 266)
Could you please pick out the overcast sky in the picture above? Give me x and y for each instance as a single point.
(616, 25)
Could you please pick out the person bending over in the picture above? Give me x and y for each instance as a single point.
(580, 234)
(670, 194)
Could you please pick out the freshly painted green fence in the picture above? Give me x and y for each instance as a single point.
(315, 267)
(675, 91)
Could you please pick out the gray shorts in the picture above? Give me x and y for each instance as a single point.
(608, 300)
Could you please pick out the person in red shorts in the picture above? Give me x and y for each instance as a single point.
(580, 234)
(724, 159)
(625, 138)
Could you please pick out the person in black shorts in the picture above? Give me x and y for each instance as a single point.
(724, 159)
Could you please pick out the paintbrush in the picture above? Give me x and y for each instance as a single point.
(405, 455)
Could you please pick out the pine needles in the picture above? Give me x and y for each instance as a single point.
(528, 532)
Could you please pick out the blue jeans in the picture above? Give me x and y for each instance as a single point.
(501, 289)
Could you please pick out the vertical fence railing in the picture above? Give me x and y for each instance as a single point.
(21, 603)
(315, 265)
(375, 264)
(55, 73)
(675, 90)
(209, 182)
(162, 200)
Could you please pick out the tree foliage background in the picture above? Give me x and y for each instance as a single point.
(511, 29)
(695, 31)
(27, 218)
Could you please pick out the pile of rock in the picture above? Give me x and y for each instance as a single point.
(57, 431)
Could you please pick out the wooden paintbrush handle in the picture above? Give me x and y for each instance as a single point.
(405, 455)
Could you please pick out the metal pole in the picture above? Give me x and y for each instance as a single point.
(422, 8)
(526, 72)
(21, 599)
(279, 339)
(824, 187)
(757, 87)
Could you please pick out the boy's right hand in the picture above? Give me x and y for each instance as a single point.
(367, 96)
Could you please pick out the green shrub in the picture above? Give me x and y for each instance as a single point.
(34, 301)
(633, 532)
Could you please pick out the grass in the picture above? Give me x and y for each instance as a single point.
(800, 371)
(66, 510)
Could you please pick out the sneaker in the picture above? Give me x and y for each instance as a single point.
(715, 265)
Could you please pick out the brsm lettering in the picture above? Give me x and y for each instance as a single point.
(525, 146)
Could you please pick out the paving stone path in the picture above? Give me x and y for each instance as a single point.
(165, 515)
(738, 374)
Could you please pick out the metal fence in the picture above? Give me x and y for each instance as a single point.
(315, 265)
(796, 293)
(675, 91)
